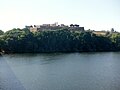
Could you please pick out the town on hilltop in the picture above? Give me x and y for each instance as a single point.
(71, 27)
(54, 26)
(47, 38)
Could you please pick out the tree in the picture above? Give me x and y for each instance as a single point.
(1, 32)
(112, 30)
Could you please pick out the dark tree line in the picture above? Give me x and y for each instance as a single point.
(24, 41)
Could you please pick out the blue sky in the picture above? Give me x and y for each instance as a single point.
(92, 14)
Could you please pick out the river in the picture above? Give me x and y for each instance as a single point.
(60, 71)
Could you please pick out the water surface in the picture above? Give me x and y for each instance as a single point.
(60, 71)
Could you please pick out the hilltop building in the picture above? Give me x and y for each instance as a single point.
(54, 26)
(76, 27)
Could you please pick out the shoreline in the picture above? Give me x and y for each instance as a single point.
(56, 52)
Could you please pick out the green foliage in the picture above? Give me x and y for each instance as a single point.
(1, 32)
(115, 38)
(22, 40)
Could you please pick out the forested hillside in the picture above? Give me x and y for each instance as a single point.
(24, 41)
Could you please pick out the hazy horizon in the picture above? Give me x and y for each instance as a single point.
(91, 14)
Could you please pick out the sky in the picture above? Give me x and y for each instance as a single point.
(91, 14)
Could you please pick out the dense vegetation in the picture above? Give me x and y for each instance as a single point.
(22, 40)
